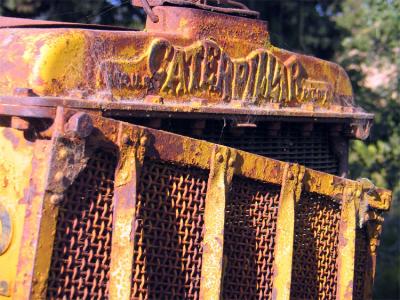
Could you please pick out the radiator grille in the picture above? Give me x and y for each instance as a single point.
(315, 250)
(169, 232)
(249, 236)
(360, 263)
(82, 247)
(289, 143)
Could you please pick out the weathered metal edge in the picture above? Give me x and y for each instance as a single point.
(347, 235)
(292, 185)
(219, 181)
(131, 156)
(7, 102)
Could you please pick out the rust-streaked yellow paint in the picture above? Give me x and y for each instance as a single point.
(221, 172)
(61, 64)
(347, 237)
(292, 185)
(132, 145)
(26, 257)
(15, 167)
(107, 66)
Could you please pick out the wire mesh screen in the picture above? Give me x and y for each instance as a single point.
(169, 232)
(249, 239)
(82, 247)
(289, 143)
(360, 263)
(315, 249)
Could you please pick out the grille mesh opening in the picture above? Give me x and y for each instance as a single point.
(315, 249)
(82, 247)
(169, 232)
(360, 263)
(249, 239)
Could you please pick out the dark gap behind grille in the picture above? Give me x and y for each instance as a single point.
(82, 247)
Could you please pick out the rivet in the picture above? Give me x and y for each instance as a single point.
(80, 124)
(231, 162)
(55, 199)
(59, 176)
(219, 157)
(143, 141)
(62, 154)
(126, 139)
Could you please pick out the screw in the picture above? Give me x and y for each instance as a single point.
(290, 176)
(55, 199)
(63, 153)
(231, 162)
(80, 124)
(143, 141)
(58, 176)
(219, 157)
(126, 139)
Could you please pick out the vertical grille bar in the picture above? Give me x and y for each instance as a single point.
(169, 231)
(315, 252)
(82, 247)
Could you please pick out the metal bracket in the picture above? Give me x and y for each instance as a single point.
(223, 163)
(292, 185)
(230, 7)
(132, 150)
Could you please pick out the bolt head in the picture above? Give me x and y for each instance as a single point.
(62, 153)
(143, 141)
(126, 139)
(219, 157)
(80, 124)
(231, 162)
(55, 199)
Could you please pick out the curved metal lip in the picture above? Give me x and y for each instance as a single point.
(45, 107)
(8, 22)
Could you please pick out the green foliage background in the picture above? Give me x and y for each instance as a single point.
(362, 35)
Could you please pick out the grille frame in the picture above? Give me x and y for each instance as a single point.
(181, 151)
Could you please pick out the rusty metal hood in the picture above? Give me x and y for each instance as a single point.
(190, 61)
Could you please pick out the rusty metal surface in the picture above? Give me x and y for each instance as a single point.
(8, 22)
(131, 157)
(191, 61)
(222, 165)
(168, 233)
(16, 156)
(290, 193)
(221, 6)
